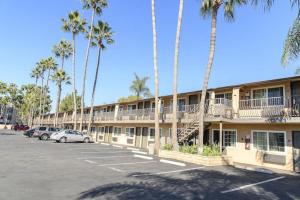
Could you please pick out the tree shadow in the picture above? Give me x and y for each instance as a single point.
(204, 184)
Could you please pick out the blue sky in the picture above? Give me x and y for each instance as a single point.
(249, 49)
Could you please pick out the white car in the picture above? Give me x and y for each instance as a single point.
(70, 136)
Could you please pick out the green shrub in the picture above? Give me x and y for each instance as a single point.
(188, 149)
(212, 150)
(168, 147)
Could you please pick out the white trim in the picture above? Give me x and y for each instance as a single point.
(269, 87)
(223, 138)
(134, 132)
(113, 135)
(149, 138)
(268, 146)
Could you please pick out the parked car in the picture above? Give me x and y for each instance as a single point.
(70, 136)
(45, 134)
(20, 127)
(29, 132)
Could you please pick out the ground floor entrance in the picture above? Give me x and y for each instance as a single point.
(296, 150)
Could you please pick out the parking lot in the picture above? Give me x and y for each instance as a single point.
(35, 170)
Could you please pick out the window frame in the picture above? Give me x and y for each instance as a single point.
(160, 133)
(266, 92)
(268, 141)
(133, 132)
(223, 137)
(114, 134)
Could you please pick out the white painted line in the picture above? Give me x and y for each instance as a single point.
(169, 172)
(117, 146)
(251, 185)
(105, 144)
(115, 169)
(143, 157)
(90, 161)
(101, 152)
(140, 152)
(134, 149)
(173, 162)
(103, 157)
(133, 163)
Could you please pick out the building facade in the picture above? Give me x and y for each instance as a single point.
(259, 122)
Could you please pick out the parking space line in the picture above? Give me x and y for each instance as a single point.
(168, 172)
(90, 161)
(173, 162)
(115, 169)
(134, 149)
(143, 157)
(139, 152)
(103, 157)
(251, 185)
(132, 163)
(117, 146)
(101, 152)
(105, 144)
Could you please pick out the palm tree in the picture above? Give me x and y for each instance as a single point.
(75, 25)
(175, 75)
(59, 77)
(102, 35)
(211, 7)
(138, 86)
(96, 6)
(50, 65)
(156, 93)
(35, 73)
(41, 68)
(63, 50)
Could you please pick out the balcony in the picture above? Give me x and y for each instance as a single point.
(275, 107)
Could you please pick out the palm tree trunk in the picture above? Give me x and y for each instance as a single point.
(42, 94)
(85, 69)
(157, 134)
(44, 98)
(62, 62)
(74, 86)
(206, 77)
(94, 90)
(175, 75)
(57, 103)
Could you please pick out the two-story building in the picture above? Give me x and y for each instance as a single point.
(259, 122)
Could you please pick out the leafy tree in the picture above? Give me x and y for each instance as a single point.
(128, 99)
(67, 103)
(102, 36)
(96, 6)
(139, 88)
(211, 8)
(59, 77)
(75, 25)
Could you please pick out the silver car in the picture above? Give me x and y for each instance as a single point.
(69, 136)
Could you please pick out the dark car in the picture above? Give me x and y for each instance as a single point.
(29, 132)
(23, 127)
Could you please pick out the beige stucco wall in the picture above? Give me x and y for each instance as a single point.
(241, 155)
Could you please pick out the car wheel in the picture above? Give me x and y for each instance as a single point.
(63, 140)
(44, 137)
(86, 140)
(57, 141)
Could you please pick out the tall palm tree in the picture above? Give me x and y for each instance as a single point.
(50, 65)
(75, 25)
(59, 77)
(41, 68)
(211, 7)
(156, 83)
(138, 86)
(102, 35)
(175, 75)
(35, 73)
(63, 50)
(96, 6)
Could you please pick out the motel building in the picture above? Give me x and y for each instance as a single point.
(260, 122)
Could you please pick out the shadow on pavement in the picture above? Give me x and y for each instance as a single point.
(204, 184)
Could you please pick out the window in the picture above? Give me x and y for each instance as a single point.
(129, 132)
(93, 129)
(268, 96)
(276, 141)
(152, 134)
(117, 131)
(101, 130)
(260, 140)
(269, 140)
(43, 128)
(229, 138)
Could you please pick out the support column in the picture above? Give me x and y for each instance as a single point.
(220, 137)
(116, 112)
(235, 102)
